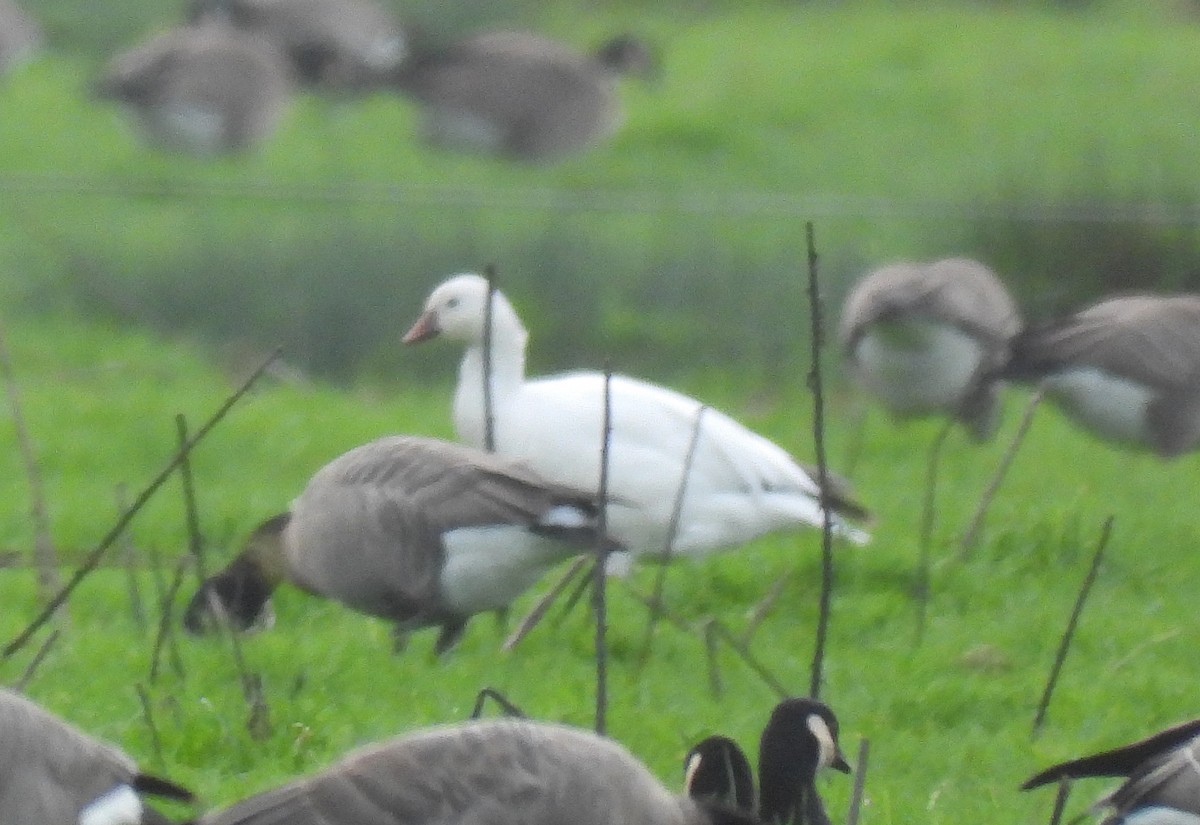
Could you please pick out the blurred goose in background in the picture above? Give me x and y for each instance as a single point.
(204, 90)
(1127, 368)
(415, 530)
(740, 485)
(520, 95)
(516, 772)
(340, 46)
(926, 338)
(52, 773)
(1163, 778)
(20, 36)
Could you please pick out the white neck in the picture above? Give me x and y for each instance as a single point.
(507, 373)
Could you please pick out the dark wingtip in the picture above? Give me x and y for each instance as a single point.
(1120, 761)
(158, 786)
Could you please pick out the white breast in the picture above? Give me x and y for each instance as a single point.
(918, 367)
(1113, 407)
(488, 567)
(1158, 815)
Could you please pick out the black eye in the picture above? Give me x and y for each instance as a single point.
(452, 303)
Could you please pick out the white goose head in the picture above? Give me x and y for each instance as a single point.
(457, 309)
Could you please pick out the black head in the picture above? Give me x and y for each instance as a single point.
(240, 592)
(800, 738)
(717, 769)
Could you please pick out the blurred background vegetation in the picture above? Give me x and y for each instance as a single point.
(1056, 141)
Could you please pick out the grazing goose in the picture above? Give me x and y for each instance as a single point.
(1162, 785)
(740, 486)
(1128, 369)
(20, 36)
(717, 768)
(416, 530)
(204, 90)
(341, 46)
(52, 773)
(926, 339)
(520, 95)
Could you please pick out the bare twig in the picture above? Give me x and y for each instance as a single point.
(534, 616)
(44, 556)
(759, 614)
(714, 667)
(191, 514)
(489, 410)
(148, 715)
(1072, 622)
(93, 558)
(165, 635)
(599, 580)
(30, 669)
(814, 384)
(660, 579)
(137, 607)
(971, 534)
(860, 782)
(1060, 800)
(928, 513)
(500, 699)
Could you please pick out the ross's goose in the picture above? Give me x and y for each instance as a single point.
(740, 486)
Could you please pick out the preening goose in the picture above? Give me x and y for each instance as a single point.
(740, 486)
(340, 46)
(20, 36)
(926, 338)
(204, 90)
(1128, 369)
(520, 95)
(52, 773)
(1163, 778)
(416, 530)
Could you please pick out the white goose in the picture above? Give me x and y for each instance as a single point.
(741, 485)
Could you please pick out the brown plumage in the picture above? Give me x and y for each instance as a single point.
(51, 772)
(1162, 772)
(205, 89)
(520, 95)
(20, 36)
(925, 338)
(416, 530)
(1127, 368)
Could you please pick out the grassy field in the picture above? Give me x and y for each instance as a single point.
(948, 719)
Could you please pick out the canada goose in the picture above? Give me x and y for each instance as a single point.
(739, 485)
(926, 338)
(332, 45)
(52, 773)
(20, 36)
(1162, 785)
(520, 95)
(416, 530)
(205, 89)
(1127, 368)
(717, 768)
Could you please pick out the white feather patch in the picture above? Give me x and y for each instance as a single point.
(120, 806)
(827, 750)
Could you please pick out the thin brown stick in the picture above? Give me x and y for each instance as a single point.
(45, 558)
(506, 705)
(39, 657)
(660, 578)
(1060, 800)
(534, 616)
(137, 607)
(93, 558)
(600, 578)
(191, 512)
(860, 782)
(928, 516)
(165, 637)
(971, 535)
(489, 410)
(1072, 623)
(148, 716)
(814, 384)
(763, 608)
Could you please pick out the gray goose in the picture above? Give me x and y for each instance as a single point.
(927, 338)
(20, 36)
(203, 90)
(416, 530)
(339, 46)
(1162, 771)
(1126, 368)
(520, 95)
(51, 772)
(505, 771)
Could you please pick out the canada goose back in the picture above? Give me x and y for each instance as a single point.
(520, 94)
(203, 89)
(20, 36)
(926, 338)
(52, 772)
(494, 771)
(1127, 368)
(331, 45)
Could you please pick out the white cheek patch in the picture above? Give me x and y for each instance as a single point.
(827, 749)
(689, 771)
(120, 806)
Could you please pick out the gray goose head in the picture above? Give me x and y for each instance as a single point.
(415, 530)
(205, 89)
(55, 773)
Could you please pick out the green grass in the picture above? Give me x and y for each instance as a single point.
(948, 720)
